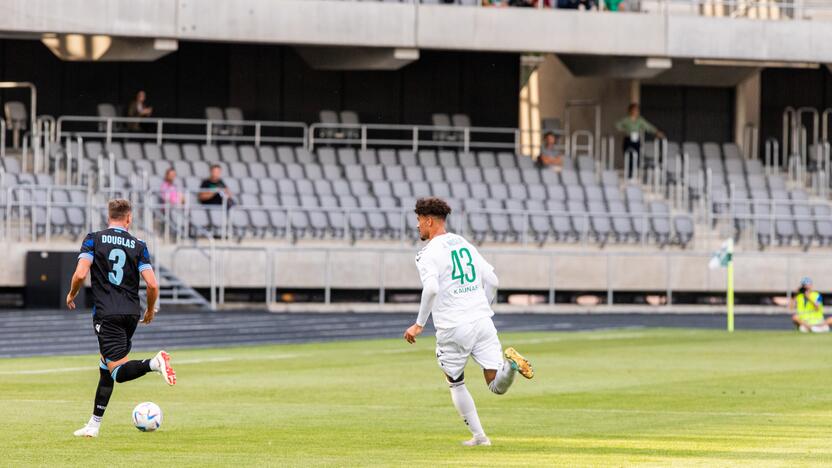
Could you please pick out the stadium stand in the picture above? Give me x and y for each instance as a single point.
(348, 192)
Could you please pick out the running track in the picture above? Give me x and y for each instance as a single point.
(38, 333)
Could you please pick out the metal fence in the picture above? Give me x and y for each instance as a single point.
(270, 283)
(161, 130)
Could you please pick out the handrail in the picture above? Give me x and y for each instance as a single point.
(412, 136)
(271, 253)
(207, 129)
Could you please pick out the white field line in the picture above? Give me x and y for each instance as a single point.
(675, 413)
(59, 370)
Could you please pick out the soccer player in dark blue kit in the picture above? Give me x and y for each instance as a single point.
(117, 260)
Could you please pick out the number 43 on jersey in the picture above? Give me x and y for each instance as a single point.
(460, 273)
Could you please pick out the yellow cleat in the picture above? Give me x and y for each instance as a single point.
(519, 363)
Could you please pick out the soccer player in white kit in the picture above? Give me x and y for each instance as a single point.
(458, 286)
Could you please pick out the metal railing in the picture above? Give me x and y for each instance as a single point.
(750, 9)
(516, 225)
(415, 137)
(271, 284)
(160, 130)
(749, 215)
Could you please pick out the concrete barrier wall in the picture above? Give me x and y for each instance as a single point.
(352, 23)
(137, 18)
(518, 269)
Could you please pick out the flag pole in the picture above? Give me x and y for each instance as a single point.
(730, 289)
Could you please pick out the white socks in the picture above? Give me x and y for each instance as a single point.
(504, 379)
(464, 404)
(154, 364)
(95, 421)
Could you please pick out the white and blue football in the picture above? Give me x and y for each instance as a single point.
(147, 416)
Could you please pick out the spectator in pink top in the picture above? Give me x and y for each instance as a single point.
(170, 193)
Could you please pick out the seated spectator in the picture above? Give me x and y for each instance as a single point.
(550, 155)
(138, 108)
(577, 4)
(615, 5)
(495, 3)
(219, 190)
(169, 192)
(809, 309)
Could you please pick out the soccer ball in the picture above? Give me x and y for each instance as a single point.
(147, 416)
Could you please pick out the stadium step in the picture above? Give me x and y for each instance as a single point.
(175, 292)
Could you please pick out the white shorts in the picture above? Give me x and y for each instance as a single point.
(476, 339)
(820, 328)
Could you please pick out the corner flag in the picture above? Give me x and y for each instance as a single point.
(725, 258)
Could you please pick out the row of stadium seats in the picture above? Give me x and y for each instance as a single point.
(489, 220)
(287, 178)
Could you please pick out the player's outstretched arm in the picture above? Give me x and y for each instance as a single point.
(77, 283)
(490, 283)
(430, 288)
(152, 295)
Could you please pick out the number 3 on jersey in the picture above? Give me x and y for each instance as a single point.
(458, 271)
(119, 257)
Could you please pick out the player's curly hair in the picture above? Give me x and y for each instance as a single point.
(432, 206)
(119, 208)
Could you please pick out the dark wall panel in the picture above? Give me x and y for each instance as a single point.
(375, 95)
(688, 113)
(781, 88)
(270, 82)
(307, 91)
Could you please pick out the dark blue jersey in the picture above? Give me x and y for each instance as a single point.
(117, 259)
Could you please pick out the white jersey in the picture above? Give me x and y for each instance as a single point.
(459, 269)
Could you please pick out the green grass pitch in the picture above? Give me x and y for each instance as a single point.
(610, 398)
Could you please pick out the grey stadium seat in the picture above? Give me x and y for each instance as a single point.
(486, 159)
(190, 152)
(472, 175)
(152, 151)
(427, 158)
(660, 223)
(622, 226)
(303, 156)
(823, 223)
(683, 227)
(448, 159)
(506, 160)
(390, 173)
(407, 158)
(333, 173)
(171, 151)
(286, 155)
(366, 157)
(387, 157)
(210, 154)
(267, 154)
(248, 154)
(454, 175)
(344, 156)
(238, 169)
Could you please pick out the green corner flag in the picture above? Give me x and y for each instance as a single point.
(724, 258)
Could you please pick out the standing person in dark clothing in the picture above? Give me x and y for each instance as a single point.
(138, 108)
(633, 126)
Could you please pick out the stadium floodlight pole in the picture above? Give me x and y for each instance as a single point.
(730, 288)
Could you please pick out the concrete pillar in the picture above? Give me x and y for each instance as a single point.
(635, 91)
(746, 106)
(558, 85)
